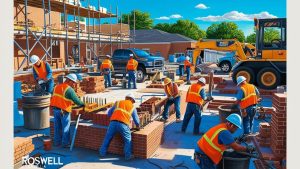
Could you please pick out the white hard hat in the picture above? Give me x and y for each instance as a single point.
(108, 56)
(130, 55)
(72, 77)
(202, 80)
(34, 59)
(240, 79)
(130, 95)
(235, 119)
(187, 58)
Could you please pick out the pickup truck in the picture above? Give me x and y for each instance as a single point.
(148, 64)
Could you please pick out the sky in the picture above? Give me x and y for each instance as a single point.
(202, 12)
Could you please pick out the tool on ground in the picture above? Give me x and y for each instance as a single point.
(74, 135)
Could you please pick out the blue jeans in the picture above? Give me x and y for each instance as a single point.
(205, 162)
(48, 87)
(248, 120)
(169, 102)
(192, 109)
(188, 74)
(123, 129)
(61, 127)
(181, 70)
(132, 78)
(107, 78)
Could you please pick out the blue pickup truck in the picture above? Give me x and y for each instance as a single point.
(148, 64)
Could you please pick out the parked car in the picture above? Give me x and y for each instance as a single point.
(148, 65)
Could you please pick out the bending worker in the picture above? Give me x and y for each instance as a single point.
(187, 68)
(195, 98)
(42, 73)
(120, 115)
(247, 98)
(61, 101)
(172, 92)
(131, 68)
(105, 69)
(210, 147)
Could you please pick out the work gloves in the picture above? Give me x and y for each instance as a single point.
(250, 148)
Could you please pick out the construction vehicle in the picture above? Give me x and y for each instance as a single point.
(268, 69)
(226, 45)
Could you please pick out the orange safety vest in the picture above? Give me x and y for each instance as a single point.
(170, 90)
(187, 64)
(209, 143)
(250, 97)
(106, 64)
(193, 94)
(123, 111)
(41, 71)
(132, 64)
(59, 100)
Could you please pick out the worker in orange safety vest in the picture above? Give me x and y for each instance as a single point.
(187, 68)
(106, 68)
(131, 68)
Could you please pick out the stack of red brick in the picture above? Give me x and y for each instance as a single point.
(150, 105)
(79, 91)
(22, 147)
(92, 84)
(101, 118)
(264, 137)
(213, 105)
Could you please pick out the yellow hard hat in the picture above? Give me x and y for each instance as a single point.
(167, 81)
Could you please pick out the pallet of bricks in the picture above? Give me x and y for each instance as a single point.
(92, 84)
(22, 147)
(155, 105)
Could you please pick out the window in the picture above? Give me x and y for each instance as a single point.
(118, 53)
(189, 53)
(126, 54)
(157, 53)
(147, 50)
(141, 53)
(272, 37)
(177, 55)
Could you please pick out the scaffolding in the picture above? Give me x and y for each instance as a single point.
(28, 31)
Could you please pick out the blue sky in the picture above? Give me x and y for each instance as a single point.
(202, 12)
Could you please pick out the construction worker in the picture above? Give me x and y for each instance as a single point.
(42, 73)
(131, 68)
(181, 65)
(120, 115)
(173, 95)
(61, 102)
(210, 147)
(187, 68)
(105, 69)
(195, 98)
(247, 98)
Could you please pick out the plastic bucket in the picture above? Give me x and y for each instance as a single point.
(233, 160)
(47, 144)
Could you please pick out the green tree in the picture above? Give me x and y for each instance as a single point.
(183, 27)
(269, 35)
(251, 38)
(142, 20)
(225, 30)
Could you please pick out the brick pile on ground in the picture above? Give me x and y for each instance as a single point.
(101, 118)
(92, 84)
(150, 105)
(144, 118)
(22, 147)
(214, 104)
(79, 91)
(264, 136)
(278, 125)
(90, 111)
(259, 164)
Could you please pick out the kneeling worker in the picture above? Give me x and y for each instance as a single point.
(214, 142)
(172, 92)
(61, 101)
(120, 115)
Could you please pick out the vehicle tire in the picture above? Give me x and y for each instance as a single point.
(247, 72)
(268, 78)
(225, 66)
(140, 75)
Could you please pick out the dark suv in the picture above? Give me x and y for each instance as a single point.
(147, 64)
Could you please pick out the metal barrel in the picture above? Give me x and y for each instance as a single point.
(225, 111)
(36, 111)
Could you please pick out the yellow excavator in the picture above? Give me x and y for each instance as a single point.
(267, 68)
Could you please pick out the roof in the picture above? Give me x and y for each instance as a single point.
(155, 35)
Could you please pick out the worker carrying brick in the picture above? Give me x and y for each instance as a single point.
(42, 73)
(131, 68)
(195, 98)
(187, 68)
(173, 96)
(61, 102)
(247, 98)
(120, 119)
(106, 68)
(211, 146)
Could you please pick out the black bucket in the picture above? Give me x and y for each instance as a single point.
(36, 110)
(225, 111)
(233, 160)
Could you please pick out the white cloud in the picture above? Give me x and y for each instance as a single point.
(201, 6)
(236, 16)
(176, 16)
(163, 18)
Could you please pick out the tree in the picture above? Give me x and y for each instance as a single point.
(269, 35)
(183, 27)
(142, 20)
(251, 38)
(225, 30)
